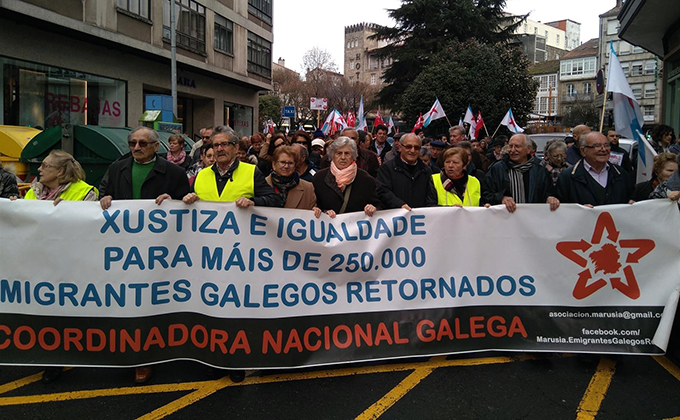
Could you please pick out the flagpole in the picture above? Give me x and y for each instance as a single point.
(494, 133)
(487, 131)
(447, 120)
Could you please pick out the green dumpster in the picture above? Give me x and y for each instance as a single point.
(95, 147)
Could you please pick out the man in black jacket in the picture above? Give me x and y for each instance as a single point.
(380, 146)
(593, 180)
(518, 178)
(406, 181)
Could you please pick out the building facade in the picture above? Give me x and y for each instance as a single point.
(643, 25)
(578, 69)
(95, 62)
(572, 32)
(554, 36)
(546, 106)
(642, 68)
(536, 49)
(361, 61)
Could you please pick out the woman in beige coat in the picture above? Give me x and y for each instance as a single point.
(297, 193)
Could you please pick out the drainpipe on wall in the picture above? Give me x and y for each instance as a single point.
(83, 2)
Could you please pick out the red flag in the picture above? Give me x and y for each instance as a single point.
(378, 120)
(419, 123)
(480, 124)
(351, 119)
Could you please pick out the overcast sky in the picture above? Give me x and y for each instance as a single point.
(300, 25)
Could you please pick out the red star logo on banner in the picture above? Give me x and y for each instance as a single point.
(605, 259)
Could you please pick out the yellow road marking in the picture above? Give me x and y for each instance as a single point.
(11, 386)
(378, 408)
(210, 388)
(597, 389)
(257, 380)
(669, 366)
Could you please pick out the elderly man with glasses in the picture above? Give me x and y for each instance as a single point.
(230, 180)
(594, 180)
(143, 175)
(206, 134)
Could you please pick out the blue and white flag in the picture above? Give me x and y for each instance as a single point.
(628, 118)
(435, 113)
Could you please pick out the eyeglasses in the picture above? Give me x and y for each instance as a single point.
(599, 146)
(224, 144)
(285, 163)
(205, 137)
(141, 143)
(411, 146)
(46, 165)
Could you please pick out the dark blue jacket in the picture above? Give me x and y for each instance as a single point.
(573, 187)
(497, 183)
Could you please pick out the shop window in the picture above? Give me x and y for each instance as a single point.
(38, 95)
(190, 25)
(136, 7)
(262, 9)
(259, 55)
(224, 34)
(239, 118)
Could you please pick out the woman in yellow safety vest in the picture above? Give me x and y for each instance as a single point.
(454, 186)
(61, 178)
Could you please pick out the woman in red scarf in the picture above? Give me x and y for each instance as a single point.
(343, 187)
(177, 155)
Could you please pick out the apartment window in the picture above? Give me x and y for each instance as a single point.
(637, 50)
(259, 55)
(136, 7)
(624, 48)
(535, 30)
(637, 91)
(351, 64)
(650, 67)
(636, 68)
(650, 90)
(373, 62)
(587, 88)
(626, 68)
(649, 113)
(351, 79)
(612, 27)
(190, 30)
(262, 9)
(557, 38)
(224, 34)
(525, 28)
(373, 79)
(578, 67)
(571, 90)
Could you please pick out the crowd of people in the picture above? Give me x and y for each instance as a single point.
(355, 171)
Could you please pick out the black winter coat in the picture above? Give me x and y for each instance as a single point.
(396, 186)
(330, 197)
(164, 178)
(496, 184)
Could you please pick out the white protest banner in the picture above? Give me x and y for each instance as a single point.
(267, 288)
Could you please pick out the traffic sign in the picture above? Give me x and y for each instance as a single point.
(288, 111)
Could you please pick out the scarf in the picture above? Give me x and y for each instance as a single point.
(177, 160)
(283, 184)
(516, 174)
(43, 193)
(344, 177)
(456, 186)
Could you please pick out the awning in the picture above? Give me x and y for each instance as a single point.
(645, 23)
(13, 139)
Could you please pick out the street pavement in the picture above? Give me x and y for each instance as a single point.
(473, 386)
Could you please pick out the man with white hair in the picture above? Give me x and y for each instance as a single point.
(518, 178)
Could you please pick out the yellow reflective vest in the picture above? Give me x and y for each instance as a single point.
(242, 184)
(473, 193)
(77, 191)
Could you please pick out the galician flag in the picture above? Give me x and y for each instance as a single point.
(628, 118)
(435, 113)
(390, 125)
(360, 118)
(470, 119)
(509, 121)
(334, 122)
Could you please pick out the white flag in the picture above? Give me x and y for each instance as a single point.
(470, 119)
(509, 121)
(390, 125)
(644, 168)
(435, 113)
(628, 118)
(361, 119)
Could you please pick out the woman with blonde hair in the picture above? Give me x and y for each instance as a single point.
(61, 178)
